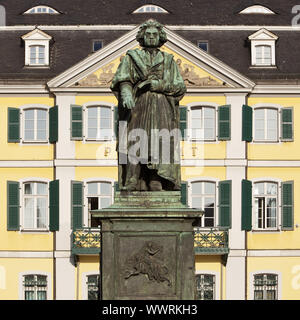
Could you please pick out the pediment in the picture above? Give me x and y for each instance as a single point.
(198, 68)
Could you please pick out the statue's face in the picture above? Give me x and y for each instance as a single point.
(151, 37)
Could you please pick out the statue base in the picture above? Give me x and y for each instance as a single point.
(147, 247)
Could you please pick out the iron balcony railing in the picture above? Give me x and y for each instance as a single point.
(212, 241)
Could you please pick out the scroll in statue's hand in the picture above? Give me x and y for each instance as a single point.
(152, 85)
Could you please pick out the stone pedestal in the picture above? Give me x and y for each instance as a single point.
(147, 248)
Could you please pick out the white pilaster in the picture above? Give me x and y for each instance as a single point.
(65, 279)
(236, 147)
(65, 148)
(235, 278)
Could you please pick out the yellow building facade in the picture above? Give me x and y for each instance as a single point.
(48, 237)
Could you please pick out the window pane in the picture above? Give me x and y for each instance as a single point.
(41, 135)
(105, 123)
(28, 188)
(29, 114)
(92, 112)
(105, 112)
(105, 202)
(105, 188)
(93, 188)
(209, 188)
(92, 122)
(271, 188)
(41, 212)
(29, 213)
(42, 188)
(93, 203)
(196, 187)
(92, 133)
(197, 202)
(29, 124)
(258, 188)
(41, 114)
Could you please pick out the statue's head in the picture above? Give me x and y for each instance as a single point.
(151, 34)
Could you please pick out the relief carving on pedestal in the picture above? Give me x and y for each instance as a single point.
(148, 261)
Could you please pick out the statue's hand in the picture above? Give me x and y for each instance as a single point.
(128, 102)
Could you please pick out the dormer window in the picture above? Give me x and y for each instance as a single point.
(150, 9)
(41, 10)
(36, 48)
(257, 10)
(263, 48)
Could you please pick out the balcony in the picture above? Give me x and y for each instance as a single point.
(86, 241)
(207, 242)
(211, 241)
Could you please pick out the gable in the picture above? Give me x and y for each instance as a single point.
(197, 67)
(193, 75)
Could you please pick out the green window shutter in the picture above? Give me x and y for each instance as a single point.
(247, 123)
(13, 206)
(224, 122)
(184, 192)
(183, 121)
(77, 204)
(116, 187)
(225, 203)
(116, 122)
(54, 205)
(76, 122)
(287, 205)
(53, 124)
(287, 133)
(13, 134)
(246, 205)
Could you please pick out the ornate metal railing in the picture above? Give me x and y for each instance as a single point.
(86, 241)
(211, 241)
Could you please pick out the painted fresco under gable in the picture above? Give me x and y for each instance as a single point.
(193, 75)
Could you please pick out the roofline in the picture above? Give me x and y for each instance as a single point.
(128, 27)
(235, 77)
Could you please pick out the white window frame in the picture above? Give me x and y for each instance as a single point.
(267, 107)
(85, 121)
(22, 123)
(37, 49)
(269, 271)
(263, 38)
(279, 208)
(84, 286)
(264, 56)
(86, 217)
(150, 8)
(217, 281)
(257, 9)
(196, 105)
(22, 203)
(35, 272)
(43, 10)
(189, 196)
(36, 37)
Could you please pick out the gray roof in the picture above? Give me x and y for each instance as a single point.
(181, 12)
(70, 47)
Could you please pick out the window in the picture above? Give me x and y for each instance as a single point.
(203, 121)
(2, 16)
(266, 205)
(99, 123)
(263, 48)
(99, 197)
(257, 9)
(35, 287)
(41, 10)
(203, 45)
(36, 48)
(97, 45)
(263, 55)
(37, 55)
(265, 124)
(35, 125)
(205, 286)
(93, 283)
(265, 287)
(35, 205)
(150, 8)
(204, 197)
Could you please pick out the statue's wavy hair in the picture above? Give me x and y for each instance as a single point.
(151, 23)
